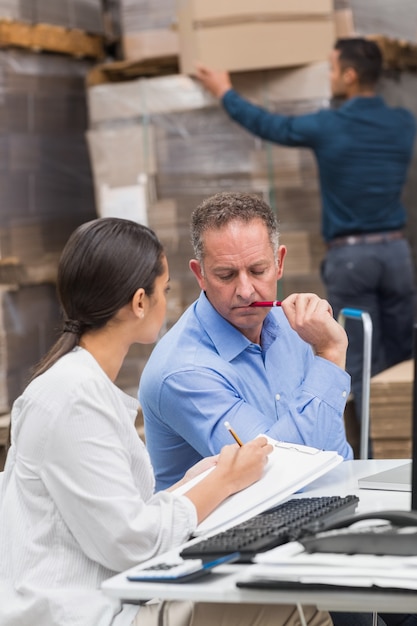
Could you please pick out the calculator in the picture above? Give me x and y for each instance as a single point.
(179, 570)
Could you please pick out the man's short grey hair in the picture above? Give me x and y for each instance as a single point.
(225, 207)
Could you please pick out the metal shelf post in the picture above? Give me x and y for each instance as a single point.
(357, 314)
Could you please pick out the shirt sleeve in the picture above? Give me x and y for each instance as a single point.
(313, 417)
(96, 486)
(288, 130)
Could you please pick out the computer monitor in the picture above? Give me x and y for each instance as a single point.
(414, 430)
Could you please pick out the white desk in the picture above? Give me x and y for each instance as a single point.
(220, 586)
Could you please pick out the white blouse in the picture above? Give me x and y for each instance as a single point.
(77, 502)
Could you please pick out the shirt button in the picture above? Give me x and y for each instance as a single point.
(277, 396)
(344, 394)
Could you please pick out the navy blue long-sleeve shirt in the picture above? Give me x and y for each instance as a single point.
(363, 150)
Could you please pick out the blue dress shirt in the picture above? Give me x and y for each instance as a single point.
(204, 372)
(363, 150)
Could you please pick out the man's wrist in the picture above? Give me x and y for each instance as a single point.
(334, 356)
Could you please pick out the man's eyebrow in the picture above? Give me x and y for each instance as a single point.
(222, 268)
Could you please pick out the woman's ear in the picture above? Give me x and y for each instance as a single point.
(139, 303)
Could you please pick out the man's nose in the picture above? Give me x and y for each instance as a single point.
(244, 286)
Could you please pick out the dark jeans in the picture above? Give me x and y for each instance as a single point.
(377, 278)
(365, 619)
(396, 619)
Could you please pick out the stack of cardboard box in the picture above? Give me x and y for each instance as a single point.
(385, 17)
(29, 322)
(148, 29)
(85, 15)
(243, 35)
(159, 146)
(46, 187)
(391, 412)
(46, 191)
(45, 174)
(179, 145)
(235, 35)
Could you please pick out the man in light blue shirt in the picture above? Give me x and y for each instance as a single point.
(278, 371)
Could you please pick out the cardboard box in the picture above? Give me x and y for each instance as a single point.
(391, 411)
(343, 23)
(240, 35)
(84, 15)
(4, 431)
(298, 258)
(114, 102)
(306, 82)
(150, 44)
(108, 148)
(239, 10)
(276, 164)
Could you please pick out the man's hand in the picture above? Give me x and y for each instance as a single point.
(312, 318)
(216, 82)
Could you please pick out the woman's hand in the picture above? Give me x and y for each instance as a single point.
(196, 470)
(239, 467)
(236, 468)
(201, 466)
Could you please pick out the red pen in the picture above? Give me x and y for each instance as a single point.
(270, 303)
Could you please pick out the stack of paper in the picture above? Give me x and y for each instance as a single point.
(291, 563)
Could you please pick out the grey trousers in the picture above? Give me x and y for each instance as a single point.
(377, 278)
(182, 613)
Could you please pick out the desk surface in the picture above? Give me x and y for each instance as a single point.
(220, 586)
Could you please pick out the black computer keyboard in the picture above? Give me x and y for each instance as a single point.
(286, 522)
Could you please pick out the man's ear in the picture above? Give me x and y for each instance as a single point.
(195, 267)
(350, 76)
(282, 251)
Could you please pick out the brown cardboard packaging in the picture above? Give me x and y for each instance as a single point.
(343, 23)
(150, 44)
(391, 411)
(218, 10)
(239, 35)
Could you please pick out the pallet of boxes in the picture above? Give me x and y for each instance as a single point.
(46, 186)
(391, 402)
(159, 144)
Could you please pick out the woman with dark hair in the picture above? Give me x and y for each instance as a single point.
(77, 502)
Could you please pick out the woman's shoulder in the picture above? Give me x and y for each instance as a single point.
(72, 373)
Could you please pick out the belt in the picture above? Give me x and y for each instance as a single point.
(353, 240)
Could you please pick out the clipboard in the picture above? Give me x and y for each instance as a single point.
(290, 468)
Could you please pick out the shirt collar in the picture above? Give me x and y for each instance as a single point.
(228, 340)
(364, 102)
